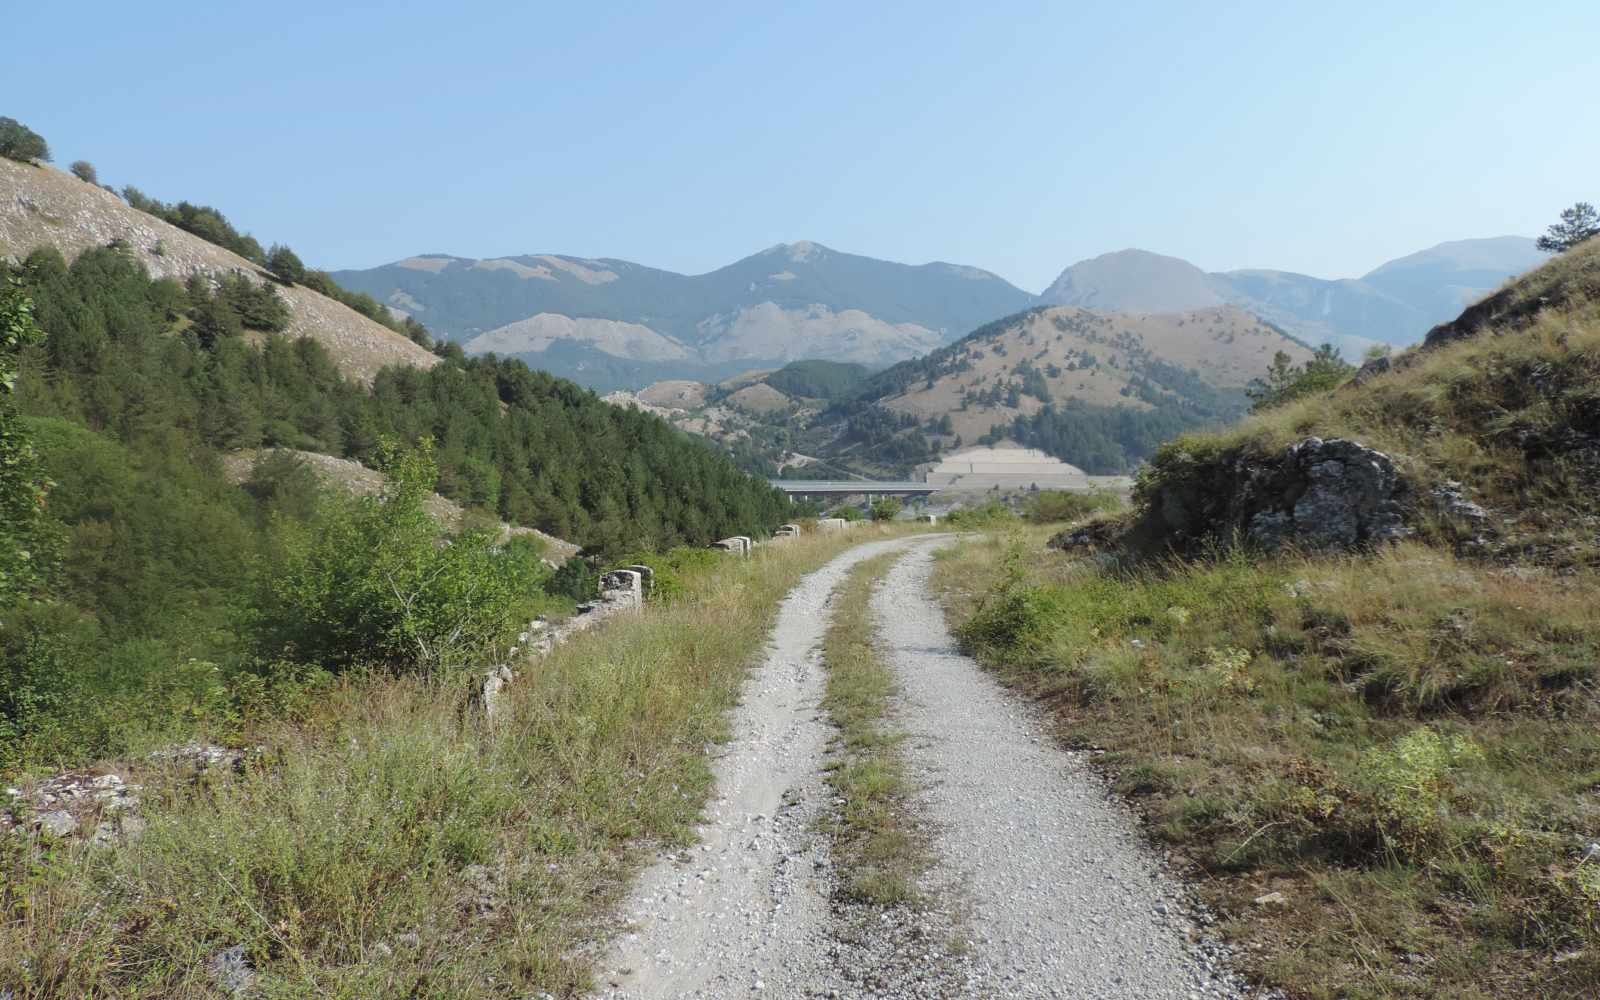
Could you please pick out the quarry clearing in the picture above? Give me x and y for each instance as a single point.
(43, 206)
(1041, 886)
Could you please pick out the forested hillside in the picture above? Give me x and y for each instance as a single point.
(140, 386)
(1100, 391)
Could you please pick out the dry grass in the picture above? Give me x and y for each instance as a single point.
(874, 825)
(1407, 746)
(385, 843)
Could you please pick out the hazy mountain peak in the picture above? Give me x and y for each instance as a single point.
(1513, 254)
(1136, 280)
(798, 253)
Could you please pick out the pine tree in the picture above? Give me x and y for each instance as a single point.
(1578, 223)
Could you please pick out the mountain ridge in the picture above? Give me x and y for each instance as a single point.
(1395, 303)
(789, 301)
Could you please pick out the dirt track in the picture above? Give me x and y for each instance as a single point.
(1041, 879)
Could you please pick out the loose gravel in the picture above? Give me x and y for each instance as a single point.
(1042, 887)
(1061, 896)
(747, 910)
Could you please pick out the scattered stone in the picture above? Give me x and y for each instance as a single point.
(195, 754)
(1271, 898)
(1452, 502)
(59, 823)
(232, 971)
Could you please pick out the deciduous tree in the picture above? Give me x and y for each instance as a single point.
(19, 142)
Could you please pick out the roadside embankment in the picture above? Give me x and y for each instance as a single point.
(380, 838)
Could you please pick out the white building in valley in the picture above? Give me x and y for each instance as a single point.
(1011, 466)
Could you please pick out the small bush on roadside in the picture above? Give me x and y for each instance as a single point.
(373, 582)
(993, 514)
(885, 508)
(1050, 506)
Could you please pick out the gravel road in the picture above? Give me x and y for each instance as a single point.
(1061, 896)
(749, 911)
(1041, 879)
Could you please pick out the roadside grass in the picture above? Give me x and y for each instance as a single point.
(383, 842)
(1405, 745)
(875, 831)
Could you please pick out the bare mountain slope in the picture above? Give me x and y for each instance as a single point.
(43, 206)
(1099, 359)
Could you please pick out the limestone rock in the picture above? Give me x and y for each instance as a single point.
(1352, 496)
(1328, 495)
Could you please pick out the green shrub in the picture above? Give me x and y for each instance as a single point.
(993, 514)
(1015, 623)
(667, 570)
(21, 143)
(29, 541)
(1410, 777)
(1285, 383)
(575, 579)
(371, 583)
(285, 265)
(849, 513)
(885, 508)
(1049, 506)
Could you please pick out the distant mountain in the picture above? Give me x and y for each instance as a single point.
(786, 303)
(1137, 281)
(1445, 279)
(1396, 303)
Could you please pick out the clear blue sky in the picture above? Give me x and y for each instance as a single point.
(1018, 137)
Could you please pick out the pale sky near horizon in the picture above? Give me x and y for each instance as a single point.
(1017, 137)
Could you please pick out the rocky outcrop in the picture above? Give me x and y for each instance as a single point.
(1320, 495)
(1351, 497)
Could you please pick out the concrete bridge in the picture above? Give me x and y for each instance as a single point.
(850, 487)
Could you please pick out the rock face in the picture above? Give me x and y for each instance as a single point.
(1321, 495)
(1353, 496)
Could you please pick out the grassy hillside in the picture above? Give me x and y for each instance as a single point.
(1379, 768)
